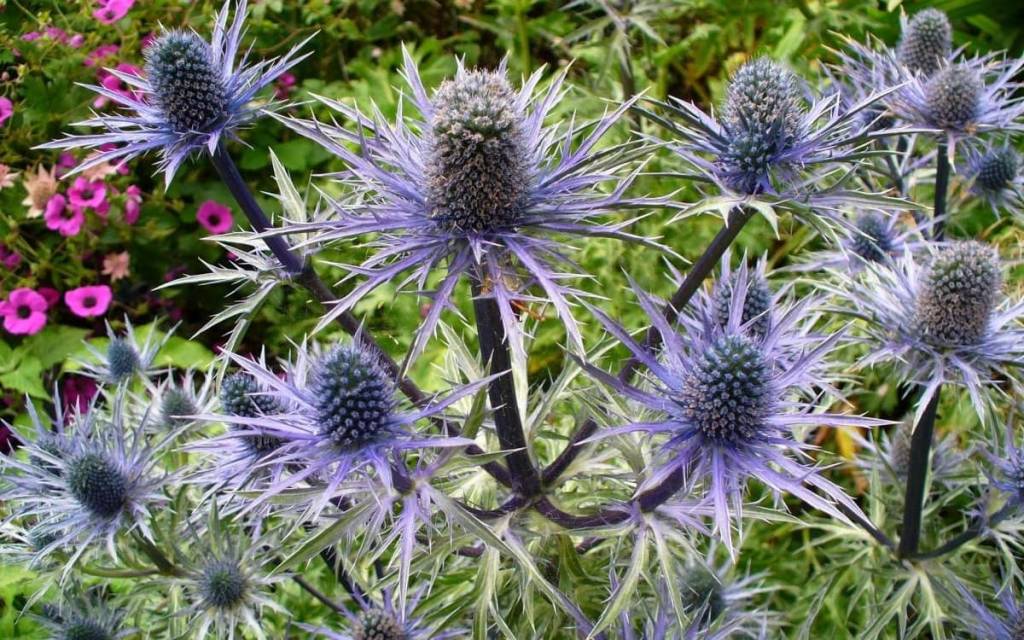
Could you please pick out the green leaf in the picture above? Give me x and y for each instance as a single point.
(26, 378)
(54, 344)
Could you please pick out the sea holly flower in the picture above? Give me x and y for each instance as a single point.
(477, 185)
(87, 484)
(718, 603)
(84, 617)
(890, 455)
(772, 146)
(982, 622)
(728, 401)
(942, 318)
(996, 176)
(24, 312)
(332, 414)
(193, 96)
(926, 42)
(228, 584)
(390, 620)
(126, 355)
(872, 236)
(89, 301)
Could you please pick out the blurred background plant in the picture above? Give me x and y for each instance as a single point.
(79, 253)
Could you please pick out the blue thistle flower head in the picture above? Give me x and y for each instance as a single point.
(727, 401)
(194, 95)
(474, 183)
(703, 596)
(982, 622)
(757, 302)
(223, 584)
(941, 318)
(176, 403)
(996, 177)
(122, 360)
(102, 482)
(957, 295)
(927, 42)
(354, 397)
(875, 238)
(83, 617)
(953, 96)
(390, 619)
(335, 418)
(775, 141)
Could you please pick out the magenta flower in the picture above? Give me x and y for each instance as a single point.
(132, 204)
(76, 41)
(9, 257)
(214, 217)
(31, 36)
(77, 392)
(86, 194)
(284, 86)
(51, 295)
(24, 312)
(110, 11)
(89, 302)
(114, 83)
(6, 109)
(59, 217)
(101, 53)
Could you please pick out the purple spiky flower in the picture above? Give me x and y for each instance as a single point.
(392, 619)
(942, 318)
(477, 185)
(996, 175)
(193, 95)
(84, 486)
(926, 42)
(332, 414)
(728, 401)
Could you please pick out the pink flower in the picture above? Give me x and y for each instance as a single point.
(86, 194)
(76, 41)
(59, 217)
(147, 40)
(112, 83)
(24, 312)
(31, 35)
(6, 109)
(98, 55)
(77, 392)
(132, 204)
(117, 265)
(8, 257)
(215, 217)
(111, 11)
(57, 34)
(89, 302)
(284, 86)
(52, 295)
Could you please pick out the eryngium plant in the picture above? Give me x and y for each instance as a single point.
(323, 492)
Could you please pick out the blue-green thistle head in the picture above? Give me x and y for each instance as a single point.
(874, 238)
(926, 42)
(223, 585)
(175, 403)
(378, 624)
(187, 86)
(477, 168)
(762, 117)
(762, 93)
(353, 397)
(953, 96)
(122, 360)
(98, 484)
(85, 629)
(957, 294)
(756, 305)
(702, 592)
(240, 395)
(996, 170)
(728, 393)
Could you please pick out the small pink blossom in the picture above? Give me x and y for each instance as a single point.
(76, 41)
(57, 34)
(284, 86)
(89, 302)
(52, 295)
(9, 257)
(112, 83)
(147, 40)
(6, 109)
(132, 204)
(117, 265)
(7, 176)
(110, 11)
(60, 217)
(31, 36)
(87, 194)
(215, 217)
(101, 53)
(24, 312)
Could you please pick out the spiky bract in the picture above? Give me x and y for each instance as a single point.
(193, 96)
